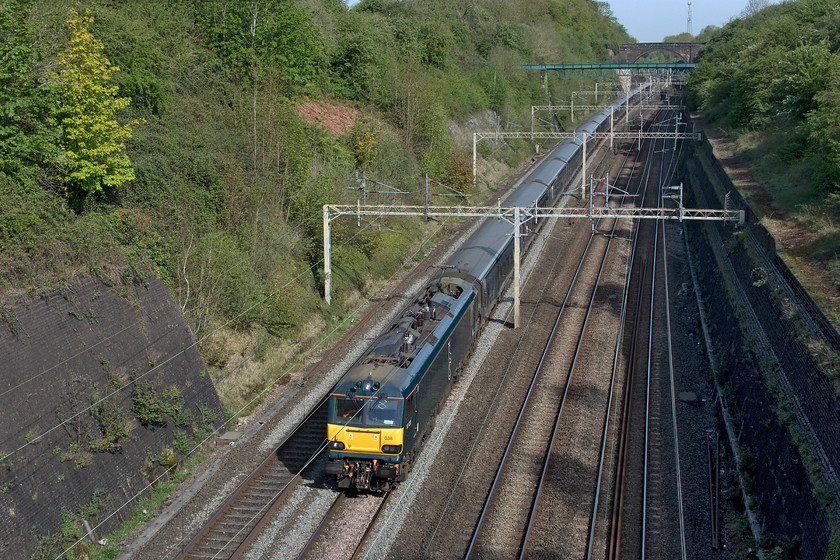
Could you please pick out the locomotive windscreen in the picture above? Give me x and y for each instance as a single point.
(366, 411)
(383, 412)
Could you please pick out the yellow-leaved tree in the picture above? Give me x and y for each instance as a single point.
(366, 144)
(92, 141)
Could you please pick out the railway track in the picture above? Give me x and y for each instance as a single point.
(233, 527)
(534, 411)
(579, 459)
(627, 526)
(540, 414)
(540, 522)
(646, 485)
(333, 533)
(578, 451)
(664, 506)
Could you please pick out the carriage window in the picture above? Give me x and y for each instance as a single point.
(383, 412)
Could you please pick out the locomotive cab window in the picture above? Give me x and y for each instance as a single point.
(349, 410)
(383, 412)
(360, 412)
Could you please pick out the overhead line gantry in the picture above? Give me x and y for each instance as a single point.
(517, 216)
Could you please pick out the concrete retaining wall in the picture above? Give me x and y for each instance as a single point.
(763, 321)
(71, 362)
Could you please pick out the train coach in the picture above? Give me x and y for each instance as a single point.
(384, 406)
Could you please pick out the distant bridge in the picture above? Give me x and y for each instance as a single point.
(631, 52)
(624, 62)
(644, 69)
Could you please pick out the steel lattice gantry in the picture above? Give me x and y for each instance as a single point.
(517, 216)
(583, 136)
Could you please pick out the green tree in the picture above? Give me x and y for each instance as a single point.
(684, 37)
(253, 38)
(92, 141)
(707, 33)
(260, 40)
(360, 56)
(24, 103)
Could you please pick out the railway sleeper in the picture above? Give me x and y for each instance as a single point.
(249, 512)
(231, 529)
(261, 493)
(236, 524)
(251, 497)
(278, 472)
(237, 518)
(208, 555)
(219, 543)
(276, 481)
(263, 486)
(215, 550)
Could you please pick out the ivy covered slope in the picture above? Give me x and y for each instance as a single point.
(772, 81)
(169, 138)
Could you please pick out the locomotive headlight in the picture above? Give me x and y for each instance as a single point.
(336, 445)
(392, 449)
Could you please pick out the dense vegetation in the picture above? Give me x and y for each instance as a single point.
(165, 138)
(703, 37)
(772, 80)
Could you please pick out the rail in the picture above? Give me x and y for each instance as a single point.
(233, 527)
(335, 512)
(713, 451)
(548, 455)
(487, 504)
(524, 406)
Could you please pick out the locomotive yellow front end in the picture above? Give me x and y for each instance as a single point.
(365, 458)
(375, 409)
(365, 434)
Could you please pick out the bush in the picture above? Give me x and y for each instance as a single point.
(112, 425)
(292, 295)
(149, 408)
(225, 278)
